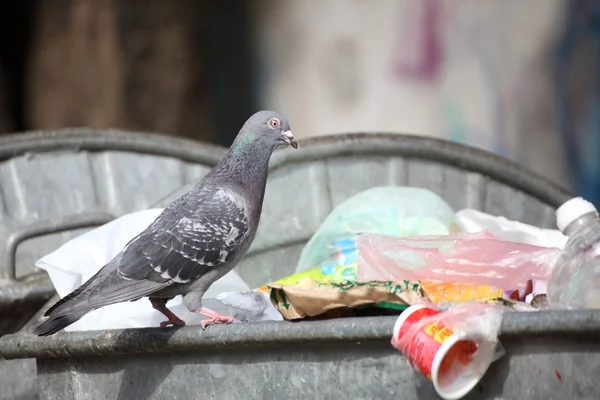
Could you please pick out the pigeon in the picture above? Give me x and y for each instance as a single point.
(196, 240)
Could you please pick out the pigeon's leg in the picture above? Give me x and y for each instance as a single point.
(160, 304)
(215, 318)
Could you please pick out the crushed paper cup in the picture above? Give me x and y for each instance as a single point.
(453, 360)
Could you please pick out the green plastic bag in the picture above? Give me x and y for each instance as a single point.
(388, 210)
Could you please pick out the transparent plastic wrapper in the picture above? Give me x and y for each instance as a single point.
(454, 348)
(387, 210)
(464, 258)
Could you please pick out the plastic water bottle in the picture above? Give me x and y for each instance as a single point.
(575, 280)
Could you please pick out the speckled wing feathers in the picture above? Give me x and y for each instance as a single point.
(188, 239)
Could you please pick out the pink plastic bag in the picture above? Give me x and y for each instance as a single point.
(464, 258)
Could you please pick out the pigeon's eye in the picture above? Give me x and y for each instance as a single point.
(274, 123)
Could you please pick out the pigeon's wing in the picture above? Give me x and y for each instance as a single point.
(188, 240)
(197, 233)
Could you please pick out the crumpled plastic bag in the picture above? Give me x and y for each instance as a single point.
(244, 306)
(469, 258)
(79, 259)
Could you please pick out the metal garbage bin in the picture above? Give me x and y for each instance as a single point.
(550, 354)
(57, 184)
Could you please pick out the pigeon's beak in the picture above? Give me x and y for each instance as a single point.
(289, 139)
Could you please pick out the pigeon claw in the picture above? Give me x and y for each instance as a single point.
(214, 318)
(223, 319)
(172, 322)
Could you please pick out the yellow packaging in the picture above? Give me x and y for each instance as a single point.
(438, 292)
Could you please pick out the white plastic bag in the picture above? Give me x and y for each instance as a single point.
(473, 221)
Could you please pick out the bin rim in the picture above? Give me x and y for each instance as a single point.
(91, 139)
(269, 334)
(424, 147)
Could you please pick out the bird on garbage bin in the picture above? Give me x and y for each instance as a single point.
(196, 240)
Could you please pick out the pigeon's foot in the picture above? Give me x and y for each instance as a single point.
(176, 321)
(215, 318)
(159, 305)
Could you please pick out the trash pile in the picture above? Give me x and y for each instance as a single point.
(458, 271)
(389, 251)
(411, 242)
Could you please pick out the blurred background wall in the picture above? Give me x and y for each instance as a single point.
(472, 72)
(518, 78)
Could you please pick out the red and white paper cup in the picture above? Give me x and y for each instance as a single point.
(453, 362)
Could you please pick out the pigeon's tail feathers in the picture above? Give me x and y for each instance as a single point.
(71, 295)
(64, 313)
(98, 291)
(58, 323)
(67, 298)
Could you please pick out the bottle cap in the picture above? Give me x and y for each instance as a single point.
(572, 210)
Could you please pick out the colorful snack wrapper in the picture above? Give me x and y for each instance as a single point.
(312, 298)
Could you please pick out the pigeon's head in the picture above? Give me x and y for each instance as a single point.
(268, 128)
